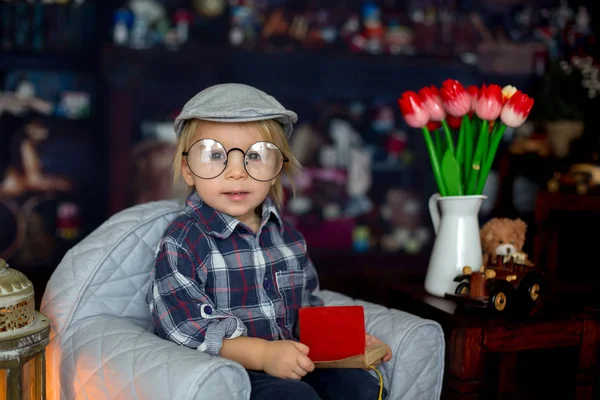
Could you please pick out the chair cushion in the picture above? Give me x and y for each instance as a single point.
(108, 272)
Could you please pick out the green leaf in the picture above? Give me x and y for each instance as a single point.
(451, 174)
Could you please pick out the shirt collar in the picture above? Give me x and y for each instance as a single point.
(221, 225)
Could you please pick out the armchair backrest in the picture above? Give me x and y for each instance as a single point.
(108, 272)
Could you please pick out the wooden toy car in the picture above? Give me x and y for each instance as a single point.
(581, 177)
(505, 284)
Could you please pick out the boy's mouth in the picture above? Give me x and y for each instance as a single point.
(236, 195)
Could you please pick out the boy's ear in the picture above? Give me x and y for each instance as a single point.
(188, 177)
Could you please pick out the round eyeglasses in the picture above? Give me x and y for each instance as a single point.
(207, 159)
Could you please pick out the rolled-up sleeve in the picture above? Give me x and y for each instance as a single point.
(181, 310)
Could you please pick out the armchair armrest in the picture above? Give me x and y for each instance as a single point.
(417, 366)
(107, 357)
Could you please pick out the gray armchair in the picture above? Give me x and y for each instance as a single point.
(101, 346)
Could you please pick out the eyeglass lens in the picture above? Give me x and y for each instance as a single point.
(207, 159)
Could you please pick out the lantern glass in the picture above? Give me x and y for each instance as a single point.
(24, 335)
(29, 389)
(23, 363)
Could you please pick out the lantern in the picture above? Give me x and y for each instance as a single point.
(24, 334)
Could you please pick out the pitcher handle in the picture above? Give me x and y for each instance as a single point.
(434, 211)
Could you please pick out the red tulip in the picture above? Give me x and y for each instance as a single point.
(455, 98)
(433, 103)
(516, 110)
(433, 125)
(413, 110)
(454, 122)
(489, 102)
(474, 93)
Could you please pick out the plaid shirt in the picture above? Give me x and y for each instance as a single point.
(214, 278)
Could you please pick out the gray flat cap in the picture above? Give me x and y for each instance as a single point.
(235, 102)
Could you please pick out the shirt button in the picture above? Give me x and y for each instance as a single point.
(267, 284)
(243, 231)
(206, 311)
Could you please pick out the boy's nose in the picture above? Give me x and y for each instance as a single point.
(235, 166)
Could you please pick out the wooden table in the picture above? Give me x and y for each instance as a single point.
(473, 336)
(546, 238)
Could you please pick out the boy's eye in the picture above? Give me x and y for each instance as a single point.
(216, 156)
(253, 156)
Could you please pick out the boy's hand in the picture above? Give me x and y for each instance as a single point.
(287, 359)
(370, 339)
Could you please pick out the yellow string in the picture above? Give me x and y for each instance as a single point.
(380, 382)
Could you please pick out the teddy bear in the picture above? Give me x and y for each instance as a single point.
(503, 237)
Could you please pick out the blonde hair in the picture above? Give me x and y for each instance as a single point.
(271, 130)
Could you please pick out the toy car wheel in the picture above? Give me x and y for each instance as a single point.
(502, 297)
(463, 288)
(531, 286)
(499, 301)
(534, 291)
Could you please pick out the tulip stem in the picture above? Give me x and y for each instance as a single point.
(486, 144)
(460, 146)
(489, 160)
(435, 163)
(439, 149)
(477, 157)
(469, 144)
(448, 137)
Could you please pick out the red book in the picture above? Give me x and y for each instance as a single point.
(335, 336)
(333, 332)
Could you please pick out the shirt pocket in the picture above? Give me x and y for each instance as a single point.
(290, 285)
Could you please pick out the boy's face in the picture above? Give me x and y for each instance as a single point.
(233, 192)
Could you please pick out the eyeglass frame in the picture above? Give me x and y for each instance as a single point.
(186, 155)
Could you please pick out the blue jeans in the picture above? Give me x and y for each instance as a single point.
(321, 384)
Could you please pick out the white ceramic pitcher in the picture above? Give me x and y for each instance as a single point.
(457, 242)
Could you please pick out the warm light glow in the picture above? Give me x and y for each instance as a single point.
(53, 356)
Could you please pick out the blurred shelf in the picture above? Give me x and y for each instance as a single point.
(371, 262)
(78, 61)
(299, 74)
(366, 276)
(383, 166)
